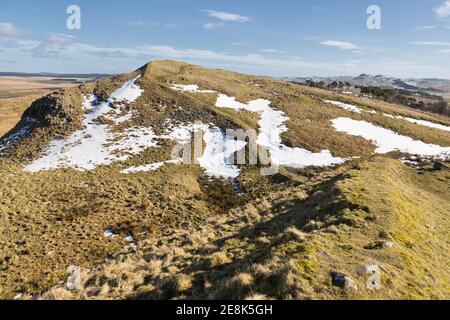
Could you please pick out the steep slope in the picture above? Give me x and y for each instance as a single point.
(92, 170)
(291, 244)
(11, 110)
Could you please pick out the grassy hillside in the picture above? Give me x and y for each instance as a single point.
(11, 110)
(282, 237)
(288, 245)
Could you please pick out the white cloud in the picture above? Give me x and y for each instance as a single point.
(242, 43)
(68, 47)
(7, 44)
(313, 38)
(7, 29)
(443, 11)
(227, 16)
(431, 43)
(60, 38)
(139, 23)
(8, 62)
(213, 25)
(273, 51)
(424, 28)
(253, 63)
(54, 46)
(340, 44)
(150, 24)
(249, 59)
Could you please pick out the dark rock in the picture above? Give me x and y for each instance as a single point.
(437, 166)
(378, 245)
(343, 282)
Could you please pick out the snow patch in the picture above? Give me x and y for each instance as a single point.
(182, 132)
(218, 149)
(108, 233)
(22, 133)
(388, 140)
(413, 163)
(352, 108)
(260, 105)
(346, 106)
(272, 126)
(190, 88)
(129, 92)
(427, 123)
(388, 115)
(420, 122)
(150, 167)
(96, 144)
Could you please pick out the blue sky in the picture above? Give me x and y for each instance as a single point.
(279, 38)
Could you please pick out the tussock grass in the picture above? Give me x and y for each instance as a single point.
(373, 202)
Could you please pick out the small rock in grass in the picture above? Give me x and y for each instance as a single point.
(437, 166)
(374, 272)
(73, 281)
(343, 282)
(378, 245)
(389, 244)
(364, 269)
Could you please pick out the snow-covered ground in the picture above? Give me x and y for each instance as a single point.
(388, 140)
(259, 105)
(23, 132)
(427, 123)
(13, 137)
(419, 122)
(218, 148)
(353, 108)
(190, 88)
(271, 127)
(346, 106)
(97, 144)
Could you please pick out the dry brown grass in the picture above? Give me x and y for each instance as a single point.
(299, 265)
(11, 110)
(219, 259)
(58, 294)
(24, 86)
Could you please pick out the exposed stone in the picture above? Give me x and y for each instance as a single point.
(364, 269)
(374, 275)
(343, 282)
(437, 166)
(73, 281)
(378, 245)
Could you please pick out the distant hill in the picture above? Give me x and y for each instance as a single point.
(434, 85)
(55, 75)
